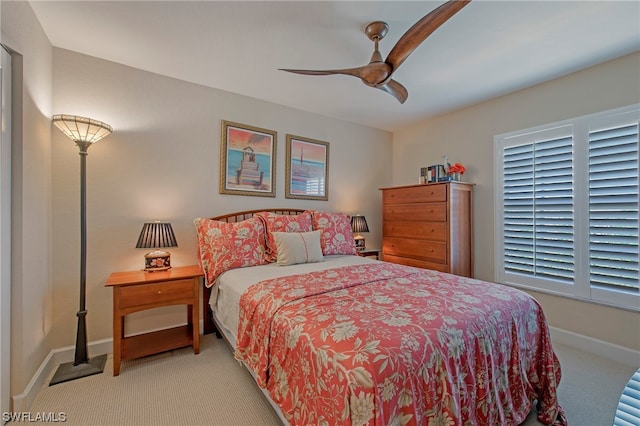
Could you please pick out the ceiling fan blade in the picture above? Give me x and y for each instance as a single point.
(395, 89)
(372, 74)
(421, 30)
(356, 72)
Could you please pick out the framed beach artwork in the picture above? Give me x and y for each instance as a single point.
(307, 169)
(247, 160)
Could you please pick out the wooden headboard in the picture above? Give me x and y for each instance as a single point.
(209, 326)
(240, 216)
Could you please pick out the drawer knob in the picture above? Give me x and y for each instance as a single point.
(159, 291)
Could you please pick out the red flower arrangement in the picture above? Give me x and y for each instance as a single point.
(456, 168)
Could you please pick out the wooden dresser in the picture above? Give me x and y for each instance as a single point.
(429, 226)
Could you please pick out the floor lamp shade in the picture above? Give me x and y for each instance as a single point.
(84, 132)
(157, 235)
(82, 129)
(358, 225)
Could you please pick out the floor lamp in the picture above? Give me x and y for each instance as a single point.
(84, 132)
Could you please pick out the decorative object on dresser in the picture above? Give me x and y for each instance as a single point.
(84, 132)
(436, 173)
(307, 169)
(456, 171)
(137, 291)
(429, 226)
(247, 160)
(424, 175)
(359, 225)
(157, 235)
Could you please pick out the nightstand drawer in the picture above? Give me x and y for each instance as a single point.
(164, 293)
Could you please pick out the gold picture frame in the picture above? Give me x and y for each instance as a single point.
(307, 169)
(247, 160)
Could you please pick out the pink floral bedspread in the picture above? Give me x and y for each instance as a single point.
(389, 344)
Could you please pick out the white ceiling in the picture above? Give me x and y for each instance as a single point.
(488, 49)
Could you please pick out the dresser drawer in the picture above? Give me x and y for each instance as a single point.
(435, 212)
(432, 251)
(164, 293)
(441, 267)
(434, 231)
(415, 194)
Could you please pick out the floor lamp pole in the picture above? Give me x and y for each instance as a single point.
(81, 365)
(81, 355)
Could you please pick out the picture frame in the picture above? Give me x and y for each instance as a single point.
(307, 168)
(247, 160)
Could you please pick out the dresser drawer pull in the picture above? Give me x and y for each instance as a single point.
(159, 291)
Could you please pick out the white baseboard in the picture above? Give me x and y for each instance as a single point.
(601, 348)
(23, 401)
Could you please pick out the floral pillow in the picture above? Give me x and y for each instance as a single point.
(223, 246)
(337, 237)
(283, 223)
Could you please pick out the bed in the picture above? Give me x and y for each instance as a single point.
(344, 339)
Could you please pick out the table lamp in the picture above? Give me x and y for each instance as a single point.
(157, 235)
(358, 225)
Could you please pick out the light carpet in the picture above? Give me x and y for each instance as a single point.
(180, 388)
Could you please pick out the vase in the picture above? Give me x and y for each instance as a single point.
(456, 176)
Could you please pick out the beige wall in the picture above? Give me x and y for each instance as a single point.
(31, 298)
(162, 162)
(466, 136)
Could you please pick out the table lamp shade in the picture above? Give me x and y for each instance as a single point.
(358, 225)
(157, 235)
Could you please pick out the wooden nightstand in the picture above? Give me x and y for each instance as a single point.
(139, 290)
(369, 253)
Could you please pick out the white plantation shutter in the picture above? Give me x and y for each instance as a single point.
(567, 207)
(613, 207)
(538, 209)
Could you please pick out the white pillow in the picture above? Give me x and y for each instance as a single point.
(298, 247)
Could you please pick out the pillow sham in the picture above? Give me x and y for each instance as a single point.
(298, 247)
(337, 236)
(274, 222)
(223, 246)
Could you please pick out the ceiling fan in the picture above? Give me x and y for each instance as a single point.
(377, 73)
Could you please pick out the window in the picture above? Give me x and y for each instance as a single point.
(567, 207)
